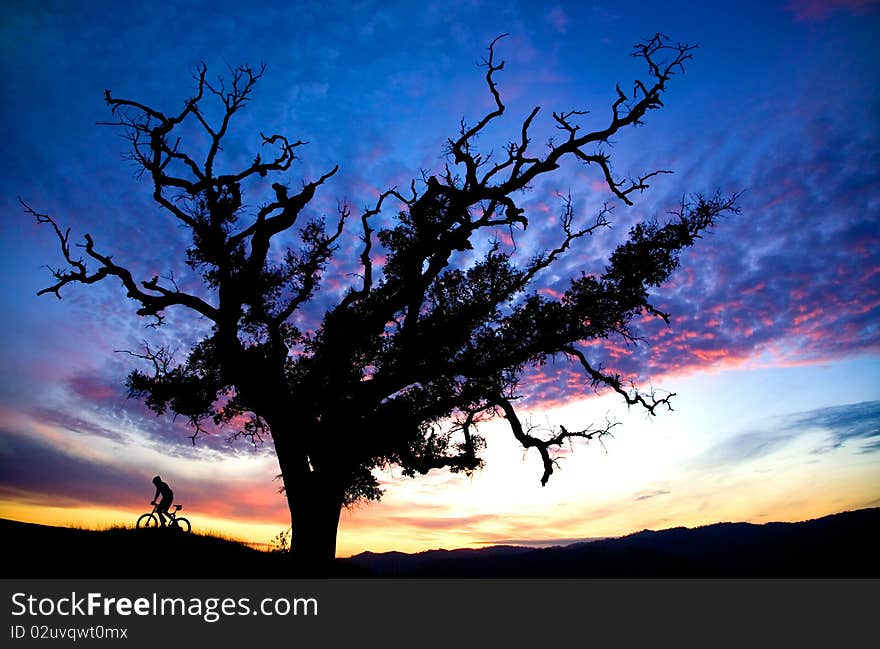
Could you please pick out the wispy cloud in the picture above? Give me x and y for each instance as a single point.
(857, 424)
(652, 494)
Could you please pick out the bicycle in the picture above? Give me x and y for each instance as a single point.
(175, 522)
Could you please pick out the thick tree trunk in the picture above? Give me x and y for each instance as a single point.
(314, 497)
(314, 522)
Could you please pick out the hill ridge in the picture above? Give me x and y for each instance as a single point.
(837, 545)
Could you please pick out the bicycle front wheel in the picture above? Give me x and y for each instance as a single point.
(182, 524)
(147, 521)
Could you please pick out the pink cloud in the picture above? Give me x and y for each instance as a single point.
(817, 10)
(96, 388)
(549, 292)
(559, 19)
(711, 356)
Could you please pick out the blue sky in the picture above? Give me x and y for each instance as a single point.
(773, 346)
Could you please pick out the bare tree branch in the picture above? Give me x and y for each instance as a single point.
(626, 111)
(543, 261)
(365, 256)
(161, 358)
(543, 445)
(633, 397)
(151, 305)
(320, 249)
(461, 147)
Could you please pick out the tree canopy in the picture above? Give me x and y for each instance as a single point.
(421, 347)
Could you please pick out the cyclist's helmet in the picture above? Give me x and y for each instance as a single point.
(157, 480)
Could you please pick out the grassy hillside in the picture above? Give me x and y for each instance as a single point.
(42, 551)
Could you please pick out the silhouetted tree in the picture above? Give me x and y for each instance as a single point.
(419, 350)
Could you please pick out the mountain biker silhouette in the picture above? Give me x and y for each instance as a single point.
(162, 489)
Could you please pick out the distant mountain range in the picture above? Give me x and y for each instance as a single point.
(840, 545)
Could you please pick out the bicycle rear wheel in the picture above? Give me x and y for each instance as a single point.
(182, 524)
(147, 521)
